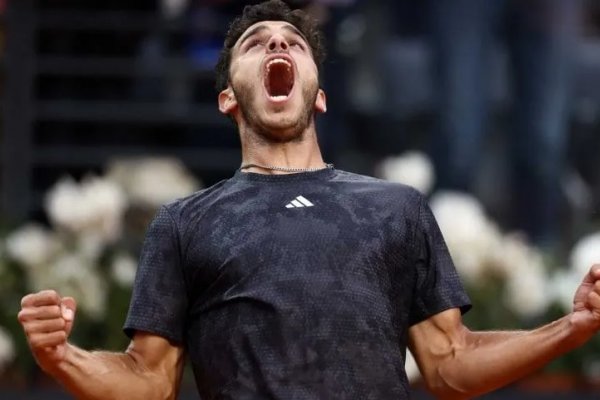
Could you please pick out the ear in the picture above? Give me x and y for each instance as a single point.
(227, 101)
(321, 102)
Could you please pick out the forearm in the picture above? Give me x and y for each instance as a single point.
(489, 360)
(104, 375)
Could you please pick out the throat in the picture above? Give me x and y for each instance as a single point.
(279, 81)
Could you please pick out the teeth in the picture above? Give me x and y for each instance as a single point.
(278, 61)
(281, 62)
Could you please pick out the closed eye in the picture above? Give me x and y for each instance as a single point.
(299, 45)
(253, 43)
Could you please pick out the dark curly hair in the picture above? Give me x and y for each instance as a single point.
(273, 10)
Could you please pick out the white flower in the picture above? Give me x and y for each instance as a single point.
(527, 292)
(73, 275)
(7, 349)
(32, 245)
(64, 204)
(90, 245)
(411, 168)
(563, 285)
(412, 369)
(152, 182)
(513, 254)
(586, 253)
(470, 236)
(123, 270)
(94, 206)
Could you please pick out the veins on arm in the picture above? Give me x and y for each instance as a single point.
(436, 342)
(151, 368)
(455, 362)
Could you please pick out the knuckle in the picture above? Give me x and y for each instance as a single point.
(57, 338)
(53, 295)
(22, 316)
(54, 311)
(26, 300)
(28, 329)
(35, 341)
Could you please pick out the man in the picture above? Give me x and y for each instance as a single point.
(293, 279)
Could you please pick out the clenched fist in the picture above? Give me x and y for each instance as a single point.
(586, 304)
(47, 320)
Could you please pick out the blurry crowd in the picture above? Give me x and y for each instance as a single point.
(498, 71)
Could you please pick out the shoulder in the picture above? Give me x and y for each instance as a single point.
(198, 202)
(380, 189)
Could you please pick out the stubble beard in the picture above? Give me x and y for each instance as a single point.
(293, 131)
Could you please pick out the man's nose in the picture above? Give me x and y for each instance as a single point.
(277, 43)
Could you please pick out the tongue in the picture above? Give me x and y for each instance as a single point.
(280, 80)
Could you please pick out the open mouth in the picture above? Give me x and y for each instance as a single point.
(279, 79)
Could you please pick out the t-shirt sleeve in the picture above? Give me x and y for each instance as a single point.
(438, 286)
(159, 299)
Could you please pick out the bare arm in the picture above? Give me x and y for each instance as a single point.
(457, 363)
(149, 369)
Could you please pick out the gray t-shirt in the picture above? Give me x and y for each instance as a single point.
(298, 286)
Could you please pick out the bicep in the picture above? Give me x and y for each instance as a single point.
(437, 339)
(158, 356)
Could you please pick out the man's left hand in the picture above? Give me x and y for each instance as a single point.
(586, 303)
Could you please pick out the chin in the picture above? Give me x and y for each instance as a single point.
(278, 123)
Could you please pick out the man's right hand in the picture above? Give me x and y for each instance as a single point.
(47, 320)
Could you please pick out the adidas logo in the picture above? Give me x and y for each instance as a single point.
(299, 202)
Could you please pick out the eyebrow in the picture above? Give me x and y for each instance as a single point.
(295, 31)
(252, 32)
(260, 28)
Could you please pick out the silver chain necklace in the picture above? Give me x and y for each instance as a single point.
(285, 169)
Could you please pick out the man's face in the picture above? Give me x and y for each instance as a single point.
(274, 83)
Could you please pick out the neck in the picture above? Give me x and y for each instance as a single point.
(301, 153)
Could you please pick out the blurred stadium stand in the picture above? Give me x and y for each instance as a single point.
(87, 82)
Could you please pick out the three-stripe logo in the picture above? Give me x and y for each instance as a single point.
(299, 202)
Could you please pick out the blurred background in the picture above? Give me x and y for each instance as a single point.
(490, 108)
